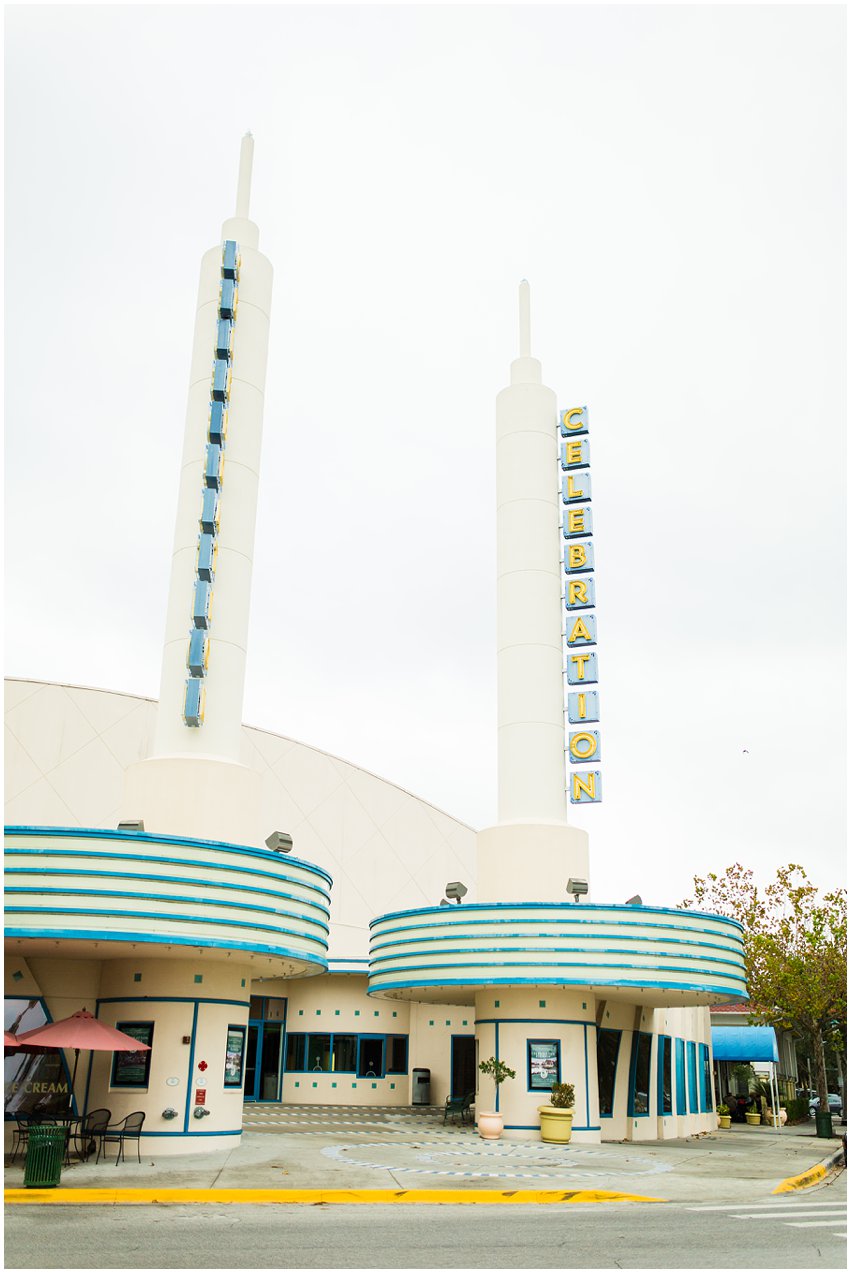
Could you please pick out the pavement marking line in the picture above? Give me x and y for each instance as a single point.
(784, 1206)
(811, 1224)
(118, 1197)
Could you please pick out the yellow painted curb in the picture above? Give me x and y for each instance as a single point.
(803, 1181)
(119, 1197)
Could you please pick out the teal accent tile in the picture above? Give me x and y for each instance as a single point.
(542, 1003)
(357, 1012)
(242, 983)
(333, 1084)
(336, 1012)
(463, 1022)
(431, 1023)
(354, 1085)
(449, 1023)
(395, 1014)
(585, 1005)
(199, 977)
(319, 1012)
(392, 1086)
(315, 1085)
(496, 1003)
(297, 1083)
(137, 976)
(375, 1085)
(301, 1012)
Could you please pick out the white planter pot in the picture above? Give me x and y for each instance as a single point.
(489, 1124)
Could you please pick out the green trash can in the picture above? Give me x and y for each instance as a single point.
(45, 1151)
(824, 1123)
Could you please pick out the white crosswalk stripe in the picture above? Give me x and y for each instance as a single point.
(790, 1211)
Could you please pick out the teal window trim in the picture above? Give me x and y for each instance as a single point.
(663, 1066)
(691, 1054)
(680, 1053)
(546, 1086)
(144, 1031)
(606, 1030)
(388, 1052)
(639, 1049)
(386, 1041)
(704, 1079)
(233, 1031)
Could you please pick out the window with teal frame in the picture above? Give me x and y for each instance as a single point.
(691, 1054)
(639, 1075)
(705, 1080)
(681, 1075)
(664, 1095)
(608, 1049)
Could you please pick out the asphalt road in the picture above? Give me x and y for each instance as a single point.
(800, 1231)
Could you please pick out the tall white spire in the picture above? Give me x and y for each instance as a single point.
(243, 185)
(531, 851)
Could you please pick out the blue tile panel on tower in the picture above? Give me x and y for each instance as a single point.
(198, 654)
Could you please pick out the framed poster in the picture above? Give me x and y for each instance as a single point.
(131, 1069)
(234, 1055)
(543, 1059)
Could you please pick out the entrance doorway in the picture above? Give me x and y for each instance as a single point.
(463, 1064)
(266, 1024)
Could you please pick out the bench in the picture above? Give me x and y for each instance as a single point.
(459, 1105)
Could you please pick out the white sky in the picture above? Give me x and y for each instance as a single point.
(670, 180)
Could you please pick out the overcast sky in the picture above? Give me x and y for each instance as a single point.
(670, 180)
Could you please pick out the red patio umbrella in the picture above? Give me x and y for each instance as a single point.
(80, 1031)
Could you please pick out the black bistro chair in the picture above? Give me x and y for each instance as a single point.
(90, 1130)
(129, 1128)
(21, 1133)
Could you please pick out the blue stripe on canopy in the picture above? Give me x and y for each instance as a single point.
(744, 1043)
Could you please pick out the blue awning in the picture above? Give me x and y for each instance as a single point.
(744, 1043)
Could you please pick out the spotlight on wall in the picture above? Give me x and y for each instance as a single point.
(279, 842)
(577, 888)
(132, 824)
(634, 901)
(456, 890)
(444, 902)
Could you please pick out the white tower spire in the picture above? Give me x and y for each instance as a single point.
(531, 851)
(194, 783)
(243, 185)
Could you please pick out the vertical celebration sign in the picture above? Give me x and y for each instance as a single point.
(580, 599)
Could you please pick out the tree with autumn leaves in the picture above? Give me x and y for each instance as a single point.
(796, 953)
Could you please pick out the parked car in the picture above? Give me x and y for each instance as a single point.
(834, 1101)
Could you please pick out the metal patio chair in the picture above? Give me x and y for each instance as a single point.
(129, 1128)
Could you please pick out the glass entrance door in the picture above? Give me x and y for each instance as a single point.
(263, 1048)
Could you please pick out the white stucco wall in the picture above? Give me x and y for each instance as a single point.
(67, 747)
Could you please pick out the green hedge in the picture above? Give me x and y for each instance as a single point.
(797, 1110)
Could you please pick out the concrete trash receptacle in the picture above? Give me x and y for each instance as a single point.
(45, 1151)
(421, 1094)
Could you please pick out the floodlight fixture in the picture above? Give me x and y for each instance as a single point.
(577, 888)
(132, 824)
(445, 902)
(279, 842)
(456, 890)
(634, 901)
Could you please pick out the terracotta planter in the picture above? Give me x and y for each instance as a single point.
(489, 1124)
(556, 1124)
(753, 1120)
(724, 1122)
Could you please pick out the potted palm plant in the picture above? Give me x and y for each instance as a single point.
(557, 1117)
(489, 1122)
(723, 1112)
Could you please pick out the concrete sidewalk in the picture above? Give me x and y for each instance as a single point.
(353, 1153)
